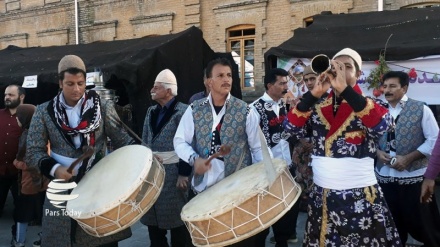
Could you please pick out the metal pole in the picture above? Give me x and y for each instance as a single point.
(76, 23)
(379, 5)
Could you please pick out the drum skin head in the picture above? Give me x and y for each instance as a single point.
(241, 205)
(111, 181)
(230, 192)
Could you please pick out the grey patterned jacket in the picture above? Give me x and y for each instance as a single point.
(165, 212)
(57, 226)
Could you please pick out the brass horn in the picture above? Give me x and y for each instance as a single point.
(320, 63)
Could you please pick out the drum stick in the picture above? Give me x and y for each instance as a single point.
(87, 152)
(267, 160)
(240, 161)
(132, 133)
(224, 150)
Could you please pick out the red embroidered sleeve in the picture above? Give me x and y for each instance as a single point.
(297, 117)
(372, 114)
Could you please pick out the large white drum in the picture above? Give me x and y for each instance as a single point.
(241, 205)
(117, 191)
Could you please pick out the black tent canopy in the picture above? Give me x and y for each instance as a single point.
(128, 66)
(411, 32)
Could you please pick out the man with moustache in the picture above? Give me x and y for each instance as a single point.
(160, 126)
(219, 119)
(403, 157)
(71, 120)
(271, 112)
(346, 205)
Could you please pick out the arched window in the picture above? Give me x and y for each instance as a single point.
(241, 43)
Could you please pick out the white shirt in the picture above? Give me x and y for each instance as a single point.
(74, 116)
(430, 133)
(185, 134)
(282, 149)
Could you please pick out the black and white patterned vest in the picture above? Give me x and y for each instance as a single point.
(270, 123)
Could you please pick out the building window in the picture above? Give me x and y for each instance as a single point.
(241, 44)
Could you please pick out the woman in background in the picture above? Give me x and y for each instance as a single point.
(31, 183)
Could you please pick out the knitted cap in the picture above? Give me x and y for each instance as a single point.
(71, 61)
(351, 53)
(166, 76)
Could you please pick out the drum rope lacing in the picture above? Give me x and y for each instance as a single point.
(231, 228)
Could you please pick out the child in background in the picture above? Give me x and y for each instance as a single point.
(31, 182)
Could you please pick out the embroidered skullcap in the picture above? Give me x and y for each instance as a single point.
(166, 76)
(71, 61)
(308, 70)
(351, 53)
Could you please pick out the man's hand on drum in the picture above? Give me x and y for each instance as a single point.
(62, 173)
(200, 166)
(182, 182)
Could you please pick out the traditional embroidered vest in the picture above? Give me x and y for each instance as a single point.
(270, 123)
(232, 132)
(163, 141)
(409, 134)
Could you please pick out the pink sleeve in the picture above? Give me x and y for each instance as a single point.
(434, 162)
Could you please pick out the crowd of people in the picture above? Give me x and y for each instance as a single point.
(367, 168)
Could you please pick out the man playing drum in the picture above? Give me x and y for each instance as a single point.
(210, 122)
(73, 119)
(271, 112)
(160, 126)
(346, 206)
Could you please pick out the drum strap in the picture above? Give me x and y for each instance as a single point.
(240, 161)
(169, 157)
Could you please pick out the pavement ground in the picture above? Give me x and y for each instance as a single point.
(140, 236)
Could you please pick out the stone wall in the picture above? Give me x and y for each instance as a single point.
(28, 23)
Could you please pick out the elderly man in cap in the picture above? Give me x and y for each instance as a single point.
(347, 207)
(160, 126)
(73, 119)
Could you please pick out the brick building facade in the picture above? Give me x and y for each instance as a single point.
(245, 26)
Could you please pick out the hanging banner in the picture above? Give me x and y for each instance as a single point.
(30, 81)
(425, 86)
(91, 77)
